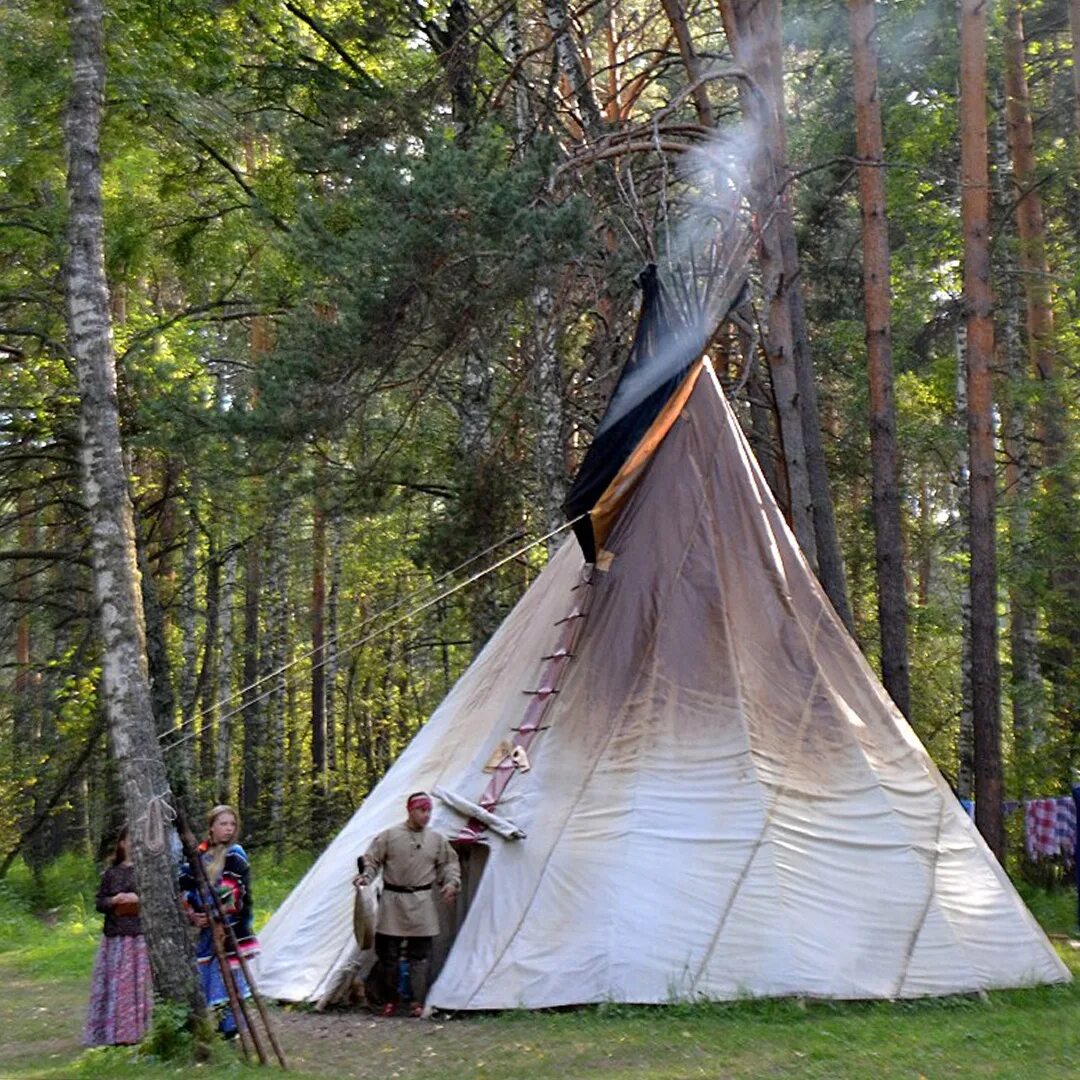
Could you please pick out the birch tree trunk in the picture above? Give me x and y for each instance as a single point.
(515, 49)
(877, 302)
(572, 67)
(125, 687)
(474, 417)
(549, 454)
(978, 305)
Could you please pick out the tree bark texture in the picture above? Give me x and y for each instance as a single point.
(965, 740)
(125, 687)
(877, 304)
(978, 304)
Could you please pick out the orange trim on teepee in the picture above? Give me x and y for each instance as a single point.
(607, 507)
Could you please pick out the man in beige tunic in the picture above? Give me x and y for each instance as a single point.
(414, 861)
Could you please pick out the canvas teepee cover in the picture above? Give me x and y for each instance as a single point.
(722, 800)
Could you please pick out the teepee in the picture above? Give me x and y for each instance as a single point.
(717, 797)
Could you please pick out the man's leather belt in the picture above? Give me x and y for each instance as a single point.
(407, 888)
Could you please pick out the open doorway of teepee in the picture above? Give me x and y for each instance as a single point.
(473, 857)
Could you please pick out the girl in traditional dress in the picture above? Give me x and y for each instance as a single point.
(121, 990)
(229, 874)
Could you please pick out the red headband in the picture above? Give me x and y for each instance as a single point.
(421, 801)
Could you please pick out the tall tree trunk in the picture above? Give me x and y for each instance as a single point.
(1059, 484)
(965, 742)
(125, 686)
(319, 787)
(189, 649)
(24, 753)
(753, 31)
(478, 480)
(1074, 28)
(206, 685)
(293, 816)
(549, 398)
(676, 14)
(877, 302)
(572, 67)
(332, 657)
(515, 49)
(272, 675)
(978, 303)
(1025, 683)
(925, 544)
(226, 704)
(1031, 230)
(318, 640)
(254, 713)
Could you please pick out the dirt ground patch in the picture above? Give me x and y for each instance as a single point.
(359, 1045)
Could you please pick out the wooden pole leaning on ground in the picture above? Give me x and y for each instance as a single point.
(220, 928)
(212, 910)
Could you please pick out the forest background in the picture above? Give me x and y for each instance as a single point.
(371, 279)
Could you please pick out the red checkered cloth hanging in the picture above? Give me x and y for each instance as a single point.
(1040, 828)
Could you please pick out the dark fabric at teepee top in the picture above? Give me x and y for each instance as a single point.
(663, 349)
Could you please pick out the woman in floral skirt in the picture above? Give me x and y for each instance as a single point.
(121, 990)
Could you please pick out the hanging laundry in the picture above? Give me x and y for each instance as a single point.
(1040, 824)
(1065, 826)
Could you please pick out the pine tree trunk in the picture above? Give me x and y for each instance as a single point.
(750, 28)
(884, 452)
(24, 755)
(1025, 683)
(272, 676)
(188, 651)
(125, 686)
(1059, 483)
(223, 690)
(206, 685)
(319, 789)
(762, 415)
(978, 304)
(254, 713)
(965, 742)
(677, 17)
(830, 562)
(1074, 28)
(318, 642)
(332, 658)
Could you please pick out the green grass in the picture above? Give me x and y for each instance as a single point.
(1021, 1034)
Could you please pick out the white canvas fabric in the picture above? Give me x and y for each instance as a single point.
(725, 801)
